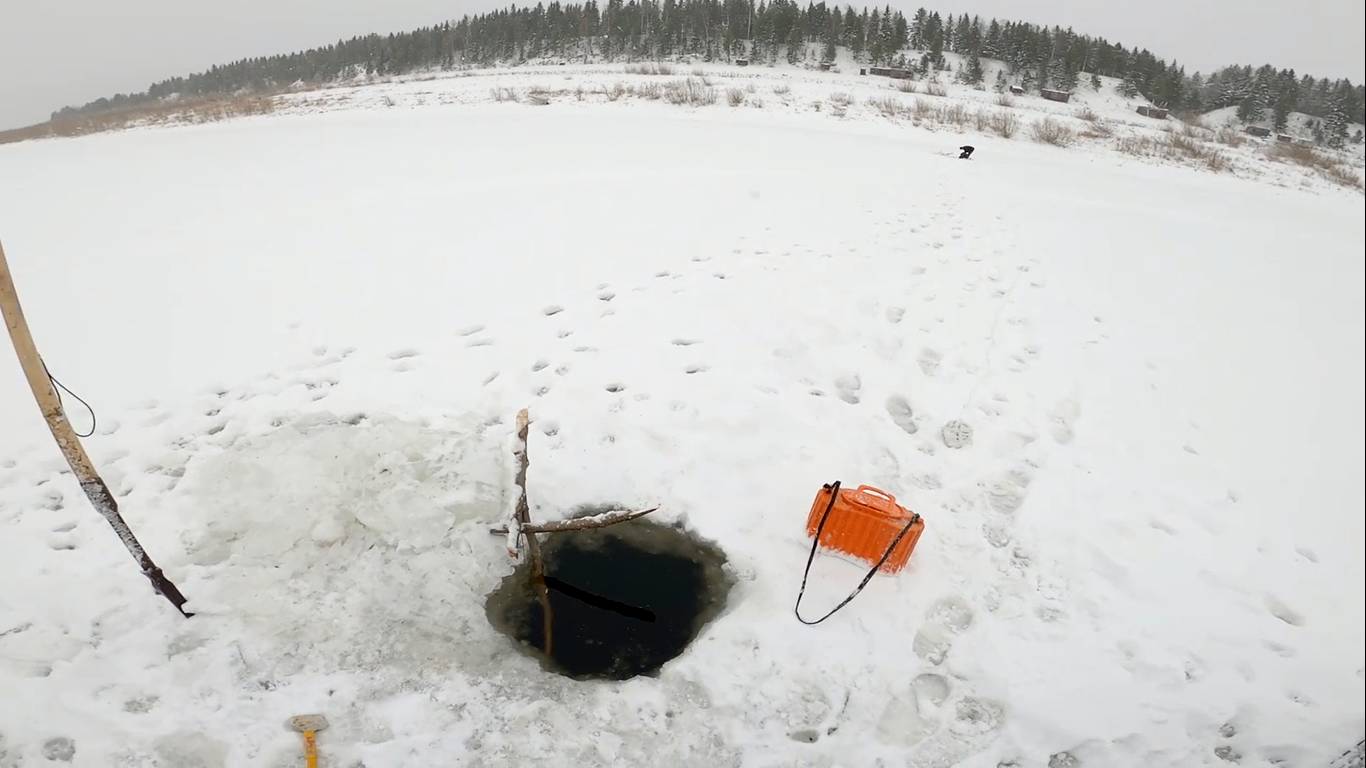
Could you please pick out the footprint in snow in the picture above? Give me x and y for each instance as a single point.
(59, 749)
(930, 688)
(926, 481)
(539, 365)
(684, 342)
(914, 714)
(1063, 419)
(1005, 495)
(403, 354)
(1158, 524)
(977, 717)
(900, 410)
(947, 618)
(847, 387)
(1284, 651)
(1282, 611)
(929, 360)
(1063, 759)
(996, 535)
(140, 705)
(469, 330)
(552, 310)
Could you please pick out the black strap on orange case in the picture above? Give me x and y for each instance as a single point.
(834, 489)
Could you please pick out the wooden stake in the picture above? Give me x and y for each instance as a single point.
(70, 445)
(521, 518)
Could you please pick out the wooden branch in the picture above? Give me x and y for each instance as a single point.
(593, 521)
(581, 523)
(95, 489)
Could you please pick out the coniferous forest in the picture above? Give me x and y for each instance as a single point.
(771, 32)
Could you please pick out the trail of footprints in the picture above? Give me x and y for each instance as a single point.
(939, 715)
(477, 335)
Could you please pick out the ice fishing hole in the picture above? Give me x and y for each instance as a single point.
(624, 600)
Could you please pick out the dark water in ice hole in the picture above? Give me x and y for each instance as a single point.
(625, 599)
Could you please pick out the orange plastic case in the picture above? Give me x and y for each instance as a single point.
(863, 523)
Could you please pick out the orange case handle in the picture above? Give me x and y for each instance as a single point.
(881, 500)
(878, 493)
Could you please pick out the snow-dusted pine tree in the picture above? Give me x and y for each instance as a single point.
(1130, 88)
(972, 73)
(1250, 109)
(1335, 125)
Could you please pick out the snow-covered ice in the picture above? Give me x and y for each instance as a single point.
(306, 336)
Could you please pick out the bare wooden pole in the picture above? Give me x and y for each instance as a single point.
(522, 518)
(51, 406)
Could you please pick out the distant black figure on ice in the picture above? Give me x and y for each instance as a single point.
(967, 152)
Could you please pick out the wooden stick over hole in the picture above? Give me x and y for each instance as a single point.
(601, 520)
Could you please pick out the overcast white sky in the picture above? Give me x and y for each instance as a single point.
(59, 52)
